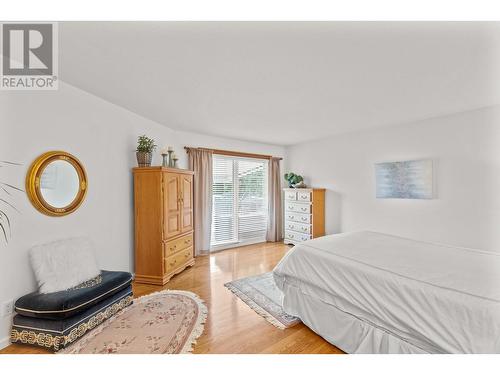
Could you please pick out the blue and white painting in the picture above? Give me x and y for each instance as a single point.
(410, 179)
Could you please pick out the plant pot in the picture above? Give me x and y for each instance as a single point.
(144, 158)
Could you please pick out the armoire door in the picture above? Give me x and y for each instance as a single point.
(186, 187)
(172, 205)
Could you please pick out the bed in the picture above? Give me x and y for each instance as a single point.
(368, 292)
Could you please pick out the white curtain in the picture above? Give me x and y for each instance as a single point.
(200, 161)
(275, 222)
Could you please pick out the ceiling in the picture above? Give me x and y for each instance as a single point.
(284, 82)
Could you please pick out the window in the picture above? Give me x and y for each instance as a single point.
(240, 210)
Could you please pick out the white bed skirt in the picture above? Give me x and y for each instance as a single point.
(346, 331)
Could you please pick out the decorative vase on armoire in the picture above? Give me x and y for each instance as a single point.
(163, 212)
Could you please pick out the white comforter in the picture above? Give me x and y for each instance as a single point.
(439, 298)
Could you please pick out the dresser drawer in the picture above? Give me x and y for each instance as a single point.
(298, 218)
(304, 196)
(290, 195)
(296, 236)
(177, 245)
(178, 260)
(298, 227)
(298, 207)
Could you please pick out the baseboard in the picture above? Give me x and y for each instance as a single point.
(4, 342)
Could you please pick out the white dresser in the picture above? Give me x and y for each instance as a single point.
(304, 214)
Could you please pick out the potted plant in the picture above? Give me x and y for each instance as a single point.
(294, 180)
(5, 204)
(144, 151)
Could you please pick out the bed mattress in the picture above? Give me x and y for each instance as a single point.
(437, 298)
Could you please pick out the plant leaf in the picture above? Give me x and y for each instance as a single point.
(4, 215)
(4, 234)
(9, 204)
(2, 226)
(11, 186)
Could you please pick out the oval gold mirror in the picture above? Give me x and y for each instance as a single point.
(56, 183)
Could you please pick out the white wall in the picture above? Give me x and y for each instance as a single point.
(466, 151)
(103, 137)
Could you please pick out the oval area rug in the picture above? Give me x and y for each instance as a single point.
(165, 322)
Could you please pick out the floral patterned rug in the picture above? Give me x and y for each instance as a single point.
(262, 295)
(165, 322)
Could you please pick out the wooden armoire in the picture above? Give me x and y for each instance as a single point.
(163, 208)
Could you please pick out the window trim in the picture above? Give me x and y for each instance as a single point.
(238, 154)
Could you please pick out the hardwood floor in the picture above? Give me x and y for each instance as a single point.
(232, 327)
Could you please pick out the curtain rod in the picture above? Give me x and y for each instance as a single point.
(233, 153)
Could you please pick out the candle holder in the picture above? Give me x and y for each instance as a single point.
(165, 160)
(170, 161)
(175, 162)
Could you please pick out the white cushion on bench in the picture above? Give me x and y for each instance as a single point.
(63, 264)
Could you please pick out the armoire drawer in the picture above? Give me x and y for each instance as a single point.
(178, 260)
(296, 236)
(297, 227)
(290, 195)
(298, 207)
(304, 196)
(177, 245)
(298, 218)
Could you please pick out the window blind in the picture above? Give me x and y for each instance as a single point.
(240, 201)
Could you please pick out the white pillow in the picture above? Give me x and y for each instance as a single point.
(63, 264)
